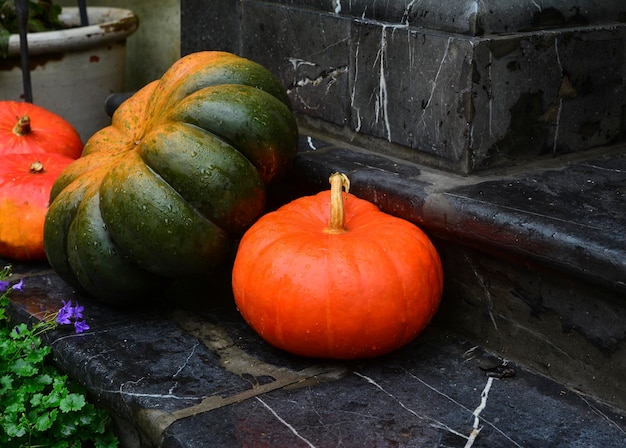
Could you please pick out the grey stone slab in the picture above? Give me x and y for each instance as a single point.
(414, 89)
(548, 93)
(489, 102)
(473, 17)
(315, 69)
(467, 86)
(560, 326)
(572, 216)
(427, 395)
(567, 215)
(505, 16)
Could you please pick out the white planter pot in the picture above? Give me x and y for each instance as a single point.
(73, 70)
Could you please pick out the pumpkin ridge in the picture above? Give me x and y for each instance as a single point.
(221, 184)
(94, 247)
(131, 186)
(245, 117)
(167, 211)
(407, 291)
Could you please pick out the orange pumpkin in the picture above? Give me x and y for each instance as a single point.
(25, 184)
(26, 128)
(325, 279)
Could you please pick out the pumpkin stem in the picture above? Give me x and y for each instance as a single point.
(36, 167)
(336, 222)
(22, 127)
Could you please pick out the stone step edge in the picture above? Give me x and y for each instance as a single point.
(426, 197)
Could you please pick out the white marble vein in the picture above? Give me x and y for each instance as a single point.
(434, 82)
(309, 142)
(476, 428)
(434, 423)
(189, 356)
(284, 422)
(602, 414)
(468, 353)
(490, 80)
(337, 6)
(382, 100)
(560, 107)
(329, 76)
(487, 294)
(357, 111)
(407, 12)
(126, 393)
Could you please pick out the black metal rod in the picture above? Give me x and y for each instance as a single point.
(21, 8)
(82, 8)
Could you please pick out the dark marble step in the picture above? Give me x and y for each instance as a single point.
(190, 373)
(535, 259)
(465, 85)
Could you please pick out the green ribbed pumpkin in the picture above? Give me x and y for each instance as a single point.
(160, 194)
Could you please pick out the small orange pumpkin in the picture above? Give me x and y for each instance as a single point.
(360, 284)
(25, 184)
(26, 128)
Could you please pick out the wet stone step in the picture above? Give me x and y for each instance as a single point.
(189, 372)
(534, 254)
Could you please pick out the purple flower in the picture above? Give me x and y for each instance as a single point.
(69, 314)
(3, 285)
(65, 313)
(19, 285)
(78, 311)
(80, 326)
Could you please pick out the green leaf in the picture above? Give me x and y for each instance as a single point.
(6, 383)
(20, 331)
(22, 367)
(73, 402)
(67, 429)
(39, 405)
(36, 400)
(45, 421)
(13, 427)
(52, 400)
(15, 408)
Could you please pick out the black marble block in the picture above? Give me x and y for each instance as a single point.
(465, 87)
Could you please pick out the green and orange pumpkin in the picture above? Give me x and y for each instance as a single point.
(183, 169)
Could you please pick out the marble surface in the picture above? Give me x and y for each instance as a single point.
(473, 17)
(188, 372)
(535, 254)
(469, 86)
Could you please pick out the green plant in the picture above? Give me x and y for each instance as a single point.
(43, 15)
(39, 405)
